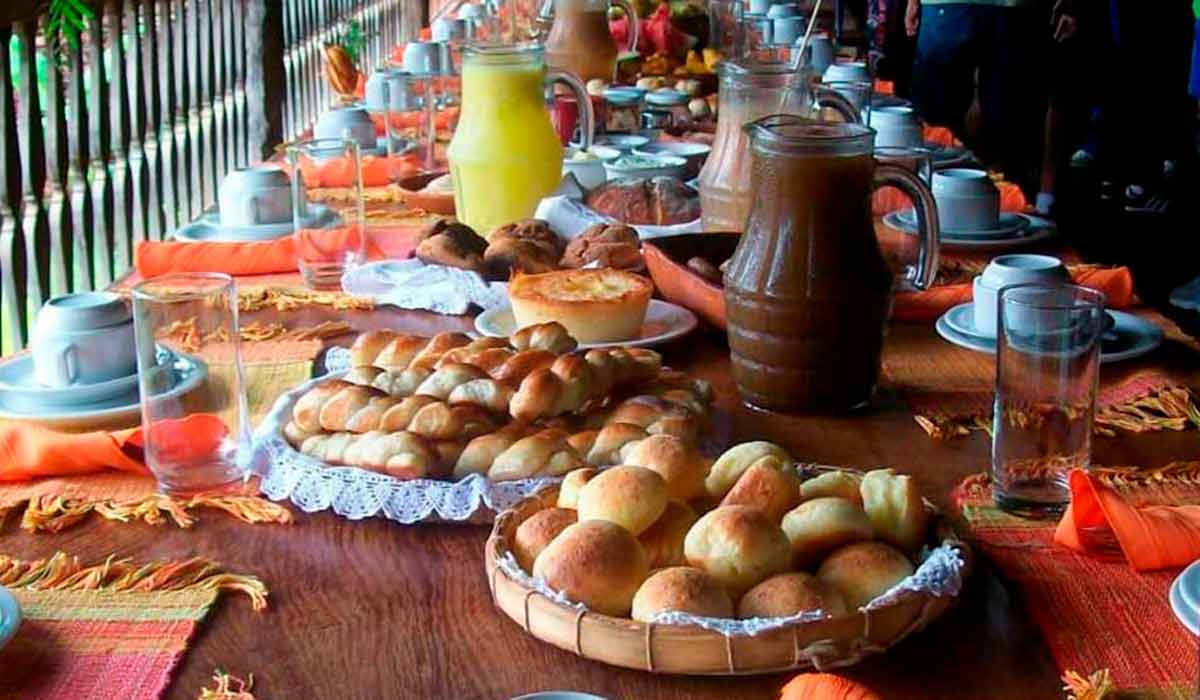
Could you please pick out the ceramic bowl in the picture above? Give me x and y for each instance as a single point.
(1005, 271)
(255, 196)
(353, 123)
(967, 200)
(624, 143)
(657, 166)
(83, 338)
(896, 127)
(589, 173)
(847, 71)
(694, 153)
(783, 9)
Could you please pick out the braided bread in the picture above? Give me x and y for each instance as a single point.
(399, 454)
(575, 379)
(392, 351)
(546, 452)
(339, 406)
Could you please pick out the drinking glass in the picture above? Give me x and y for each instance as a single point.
(412, 93)
(856, 92)
(916, 159)
(326, 248)
(195, 440)
(1047, 365)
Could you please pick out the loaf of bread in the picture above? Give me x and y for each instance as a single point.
(658, 201)
(446, 242)
(528, 246)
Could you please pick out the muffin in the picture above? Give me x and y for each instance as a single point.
(597, 563)
(834, 483)
(663, 541)
(737, 459)
(821, 525)
(568, 490)
(676, 461)
(738, 546)
(773, 491)
(864, 570)
(537, 531)
(894, 507)
(595, 306)
(788, 594)
(681, 589)
(632, 497)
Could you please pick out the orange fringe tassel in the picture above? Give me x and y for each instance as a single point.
(227, 687)
(1095, 687)
(56, 513)
(62, 572)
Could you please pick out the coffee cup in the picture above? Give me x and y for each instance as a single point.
(896, 127)
(424, 57)
(255, 196)
(787, 30)
(758, 7)
(83, 338)
(846, 71)
(1006, 271)
(449, 29)
(820, 48)
(401, 100)
(967, 200)
(352, 123)
(783, 9)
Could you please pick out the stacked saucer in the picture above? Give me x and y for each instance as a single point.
(255, 204)
(1185, 598)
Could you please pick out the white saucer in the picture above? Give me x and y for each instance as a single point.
(10, 616)
(664, 322)
(1133, 335)
(949, 156)
(1033, 230)
(1188, 616)
(208, 227)
(20, 391)
(1189, 586)
(1009, 225)
(188, 373)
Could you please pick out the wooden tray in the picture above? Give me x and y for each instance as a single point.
(819, 645)
(666, 260)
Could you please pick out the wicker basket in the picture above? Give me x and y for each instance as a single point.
(819, 645)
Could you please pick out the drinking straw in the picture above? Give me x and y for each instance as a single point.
(793, 83)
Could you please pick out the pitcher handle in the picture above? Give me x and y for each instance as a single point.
(587, 116)
(828, 97)
(928, 233)
(632, 20)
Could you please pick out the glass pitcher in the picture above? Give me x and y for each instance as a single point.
(579, 41)
(505, 155)
(749, 91)
(808, 291)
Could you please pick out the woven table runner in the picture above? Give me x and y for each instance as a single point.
(1095, 614)
(950, 389)
(109, 630)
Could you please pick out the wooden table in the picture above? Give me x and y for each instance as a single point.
(373, 609)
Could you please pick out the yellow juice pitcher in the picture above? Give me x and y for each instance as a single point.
(505, 155)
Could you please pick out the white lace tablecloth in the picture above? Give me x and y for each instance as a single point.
(356, 493)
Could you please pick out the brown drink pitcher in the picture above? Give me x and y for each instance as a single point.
(808, 291)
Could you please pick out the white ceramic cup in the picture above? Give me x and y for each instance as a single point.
(783, 9)
(423, 57)
(787, 30)
(758, 7)
(401, 100)
(1005, 271)
(590, 174)
(449, 29)
(347, 122)
(254, 196)
(83, 338)
(846, 71)
(820, 48)
(896, 127)
(967, 200)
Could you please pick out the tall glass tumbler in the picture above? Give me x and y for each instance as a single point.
(1047, 369)
(195, 439)
(326, 247)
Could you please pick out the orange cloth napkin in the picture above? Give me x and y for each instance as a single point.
(1151, 537)
(886, 200)
(153, 258)
(1115, 282)
(29, 451)
(940, 135)
(825, 686)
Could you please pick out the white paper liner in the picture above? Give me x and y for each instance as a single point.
(356, 493)
(939, 575)
(411, 284)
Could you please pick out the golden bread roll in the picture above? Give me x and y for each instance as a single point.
(676, 461)
(738, 546)
(894, 506)
(537, 532)
(788, 594)
(864, 570)
(771, 490)
(737, 459)
(681, 589)
(597, 563)
(632, 497)
(821, 525)
(663, 541)
(839, 484)
(568, 490)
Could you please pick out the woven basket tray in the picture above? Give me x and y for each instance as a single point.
(658, 648)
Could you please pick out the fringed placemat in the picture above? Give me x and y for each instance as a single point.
(1098, 616)
(113, 629)
(950, 389)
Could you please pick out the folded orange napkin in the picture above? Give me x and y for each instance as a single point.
(889, 199)
(940, 135)
(825, 686)
(1115, 282)
(1150, 537)
(29, 451)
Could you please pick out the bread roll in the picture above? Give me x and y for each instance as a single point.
(864, 570)
(597, 563)
(894, 507)
(788, 594)
(568, 490)
(738, 546)
(771, 490)
(663, 541)
(835, 483)
(676, 461)
(537, 531)
(737, 459)
(821, 525)
(681, 589)
(632, 497)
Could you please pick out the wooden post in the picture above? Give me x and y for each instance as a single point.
(264, 76)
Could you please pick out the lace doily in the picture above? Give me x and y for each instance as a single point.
(356, 493)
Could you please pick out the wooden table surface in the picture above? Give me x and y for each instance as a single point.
(373, 609)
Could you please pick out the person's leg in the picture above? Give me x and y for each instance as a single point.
(943, 70)
(1012, 95)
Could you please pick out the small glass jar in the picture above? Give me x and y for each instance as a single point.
(624, 111)
(674, 102)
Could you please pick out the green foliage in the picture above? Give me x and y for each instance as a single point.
(352, 39)
(66, 20)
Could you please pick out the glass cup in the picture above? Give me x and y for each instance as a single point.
(198, 439)
(856, 92)
(326, 247)
(916, 159)
(1047, 369)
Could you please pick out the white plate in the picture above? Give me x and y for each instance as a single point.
(189, 372)
(1132, 336)
(208, 227)
(1189, 586)
(10, 616)
(1036, 230)
(1189, 617)
(19, 390)
(664, 322)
